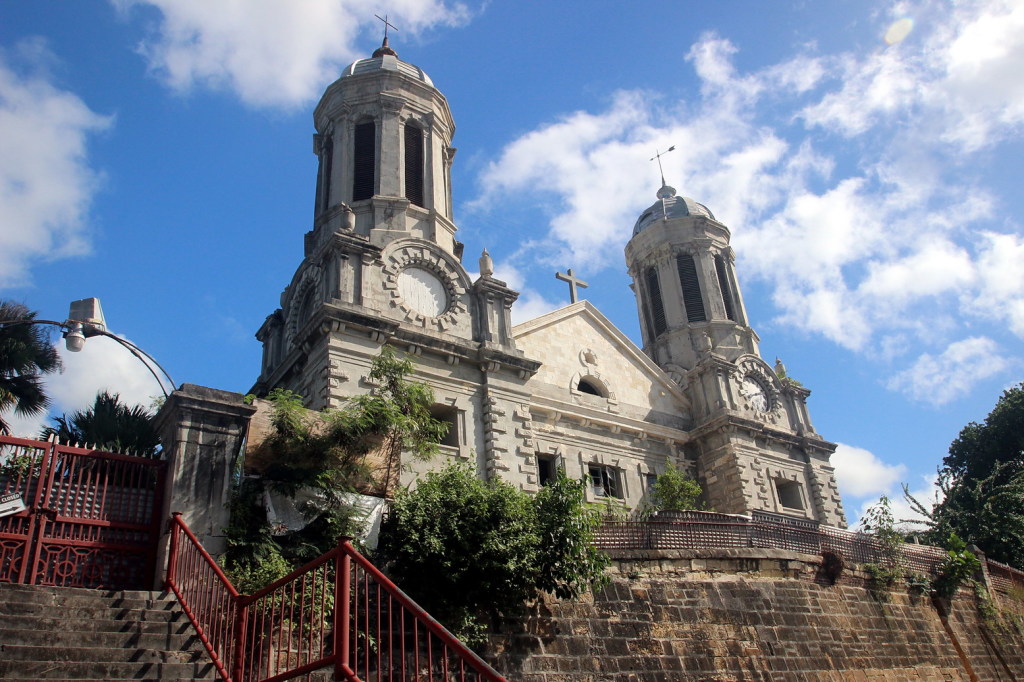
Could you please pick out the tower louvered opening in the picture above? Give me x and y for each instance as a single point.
(364, 149)
(692, 298)
(414, 164)
(723, 283)
(656, 307)
(323, 179)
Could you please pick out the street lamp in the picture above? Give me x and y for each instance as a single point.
(85, 320)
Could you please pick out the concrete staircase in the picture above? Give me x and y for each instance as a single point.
(49, 633)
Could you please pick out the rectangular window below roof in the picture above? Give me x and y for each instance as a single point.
(606, 481)
(450, 416)
(790, 494)
(547, 469)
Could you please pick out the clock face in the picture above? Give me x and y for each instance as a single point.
(423, 291)
(756, 394)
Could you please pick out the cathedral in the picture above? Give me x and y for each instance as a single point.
(565, 391)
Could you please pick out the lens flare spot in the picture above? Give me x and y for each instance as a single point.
(899, 30)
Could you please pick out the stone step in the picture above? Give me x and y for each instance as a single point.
(105, 670)
(51, 633)
(99, 639)
(157, 623)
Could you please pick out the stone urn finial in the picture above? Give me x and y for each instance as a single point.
(486, 264)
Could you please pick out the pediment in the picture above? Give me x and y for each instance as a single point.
(578, 342)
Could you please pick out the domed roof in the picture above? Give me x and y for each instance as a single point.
(669, 206)
(386, 59)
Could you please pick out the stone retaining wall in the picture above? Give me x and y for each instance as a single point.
(753, 614)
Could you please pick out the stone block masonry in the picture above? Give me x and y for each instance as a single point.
(751, 614)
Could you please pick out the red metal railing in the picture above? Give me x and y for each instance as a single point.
(338, 610)
(205, 593)
(91, 518)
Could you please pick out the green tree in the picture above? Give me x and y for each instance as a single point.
(109, 425)
(981, 485)
(879, 522)
(26, 354)
(329, 455)
(466, 548)
(675, 491)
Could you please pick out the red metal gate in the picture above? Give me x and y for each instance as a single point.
(91, 518)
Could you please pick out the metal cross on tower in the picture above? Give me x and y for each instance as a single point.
(386, 24)
(657, 155)
(573, 283)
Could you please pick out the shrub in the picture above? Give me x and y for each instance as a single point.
(675, 491)
(958, 567)
(464, 548)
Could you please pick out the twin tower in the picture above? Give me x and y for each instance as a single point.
(567, 390)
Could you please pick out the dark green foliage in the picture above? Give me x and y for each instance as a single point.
(26, 354)
(329, 455)
(675, 491)
(465, 548)
(108, 425)
(999, 442)
(958, 568)
(982, 485)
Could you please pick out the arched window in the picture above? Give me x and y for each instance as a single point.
(723, 282)
(364, 151)
(656, 308)
(692, 298)
(592, 387)
(414, 164)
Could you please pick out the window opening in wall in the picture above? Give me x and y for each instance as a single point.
(591, 387)
(364, 150)
(323, 179)
(450, 416)
(650, 480)
(723, 283)
(547, 469)
(692, 298)
(605, 481)
(790, 494)
(657, 307)
(414, 164)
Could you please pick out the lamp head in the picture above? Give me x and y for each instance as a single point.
(74, 339)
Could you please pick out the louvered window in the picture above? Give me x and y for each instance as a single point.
(414, 164)
(364, 150)
(323, 180)
(692, 298)
(656, 308)
(723, 282)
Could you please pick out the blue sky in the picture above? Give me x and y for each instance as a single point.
(867, 156)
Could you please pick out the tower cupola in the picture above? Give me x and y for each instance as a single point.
(684, 278)
(383, 137)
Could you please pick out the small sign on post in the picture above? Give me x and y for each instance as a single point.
(11, 503)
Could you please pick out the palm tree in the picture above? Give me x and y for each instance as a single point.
(109, 425)
(26, 354)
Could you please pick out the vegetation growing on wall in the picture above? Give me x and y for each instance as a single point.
(466, 549)
(878, 521)
(675, 491)
(326, 456)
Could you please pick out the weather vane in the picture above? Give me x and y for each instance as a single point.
(387, 24)
(657, 155)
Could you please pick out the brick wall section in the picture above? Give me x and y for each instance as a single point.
(748, 615)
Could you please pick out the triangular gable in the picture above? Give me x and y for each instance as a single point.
(557, 339)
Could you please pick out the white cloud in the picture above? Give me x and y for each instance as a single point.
(530, 303)
(46, 183)
(879, 243)
(940, 379)
(102, 365)
(904, 514)
(273, 52)
(860, 473)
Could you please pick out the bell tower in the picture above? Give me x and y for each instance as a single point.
(383, 139)
(752, 444)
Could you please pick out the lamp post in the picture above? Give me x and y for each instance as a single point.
(85, 320)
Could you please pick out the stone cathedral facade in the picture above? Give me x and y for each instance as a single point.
(566, 390)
